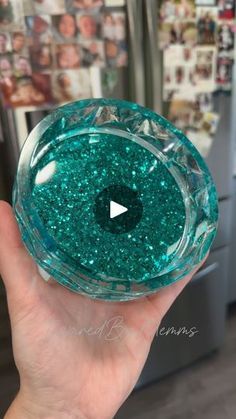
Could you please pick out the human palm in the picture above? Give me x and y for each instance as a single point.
(77, 357)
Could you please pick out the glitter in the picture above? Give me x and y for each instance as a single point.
(164, 212)
(77, 164)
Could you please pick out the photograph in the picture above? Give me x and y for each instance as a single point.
(88, 26)
(226, 38)
(201, 139)
(7, 79)
(28, 7)
(168, 94)
(11, 15)
(6, 66)
(64, 28)
(198, 126)
(205, 69)
(206, 2)
(180, 113)
(6, 12)
(178, 78)
(114, 26)
(109, 83)
(92, 53)
(116, 54)
(68, 56)
(179, 75)
(210, 122)
(114, 3)
(38, 29)
(183, 33)
(188, 55)
(205, 55)
(224, 72)
(69, 85)
(175, 77)
(22, 66)
(41, 57)
(42, 7)
(226, 9)
(207, 25)
(18, 42)
(7, 87)
(186, 93)
(29, 91)
(196, 119)
(5, 43)
(172, 10)
(168, 76)
(179, 54)
(204, 102)
(91, 6)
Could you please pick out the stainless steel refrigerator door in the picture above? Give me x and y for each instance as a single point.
(195, 324)
(9, 147)
(129, 82)
(220, 159)
(136, 51)
(232, 260)
(153, 56)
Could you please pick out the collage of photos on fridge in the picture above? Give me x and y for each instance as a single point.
(47, 48)
(197, 40)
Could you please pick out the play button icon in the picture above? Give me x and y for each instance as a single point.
(118, 209)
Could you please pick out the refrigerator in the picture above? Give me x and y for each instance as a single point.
(123, 82)
(202, 304)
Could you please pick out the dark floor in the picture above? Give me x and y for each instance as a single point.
(205, 390)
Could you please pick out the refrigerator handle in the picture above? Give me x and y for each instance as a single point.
(136, 58)
(153, 56)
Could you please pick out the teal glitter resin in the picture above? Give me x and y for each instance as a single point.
(88, 155)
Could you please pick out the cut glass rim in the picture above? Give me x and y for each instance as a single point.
(28, 154)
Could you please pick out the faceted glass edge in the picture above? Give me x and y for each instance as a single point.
(44, 257)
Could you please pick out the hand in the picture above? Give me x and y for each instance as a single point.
(77, 357)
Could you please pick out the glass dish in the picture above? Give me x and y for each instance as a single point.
(91, 157)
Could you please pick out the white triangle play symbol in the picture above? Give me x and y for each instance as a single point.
(116, 209)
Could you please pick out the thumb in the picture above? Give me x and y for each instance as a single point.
(17, 268)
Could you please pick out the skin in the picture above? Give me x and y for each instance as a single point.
(40, 26)
(111, 49)
(18, 42)
(64, 374)
(4, 3)
(64, 80)
(44, 58)
(68, 57)
(66, 26)
(93, 48)
(87, 26)
(5, 67)
(26, 94)
(23, 66)
(108, 20)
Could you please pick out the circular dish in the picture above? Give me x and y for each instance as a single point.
(112, 200)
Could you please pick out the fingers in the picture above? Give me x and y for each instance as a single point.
(16, 265)
(166, 296)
